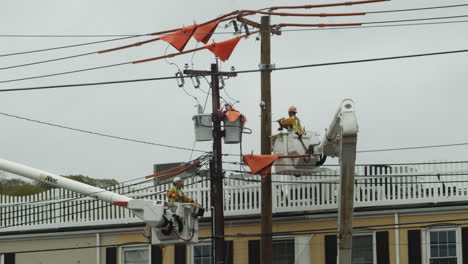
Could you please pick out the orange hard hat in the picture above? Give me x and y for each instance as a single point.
(292, 109)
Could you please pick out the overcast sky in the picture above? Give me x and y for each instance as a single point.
(400, 103)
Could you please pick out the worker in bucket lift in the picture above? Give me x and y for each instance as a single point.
(175, 194)
(292, 123)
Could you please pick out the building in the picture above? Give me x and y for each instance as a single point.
(403, 215)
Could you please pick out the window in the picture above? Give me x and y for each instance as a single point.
(283, 251)
(202, 254)
(442, 246)
(363, 249)
(135, 255)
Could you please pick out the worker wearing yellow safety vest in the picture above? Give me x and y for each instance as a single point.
(175, 194)
(292, 123)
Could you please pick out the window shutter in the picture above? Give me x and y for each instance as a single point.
(330, 249)
(254, 251)
(383, 255)
(156, 255)
(179, 254)
(414, 247)
(9, 258)
(111, 255)
(465, 244)
(229, 251)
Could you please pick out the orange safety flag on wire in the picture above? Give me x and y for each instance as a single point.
(179, 38)
(260, 164)
(203, 33)
(224, 49)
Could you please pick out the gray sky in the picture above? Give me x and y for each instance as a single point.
(400, 103)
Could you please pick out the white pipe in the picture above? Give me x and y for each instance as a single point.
(397, 240)
(98, 248)
(62, 182)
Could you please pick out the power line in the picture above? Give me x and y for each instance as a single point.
(376, 164)
(376, 26)
(418, 147)
(67, 46)
(415, 9)
(74, 248)
(67, 36)
(101, 134)
(237, 72)
(359, 61)
(67, 72)
(285, 24)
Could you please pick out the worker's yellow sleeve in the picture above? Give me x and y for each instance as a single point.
(179, 196)
(284, 122)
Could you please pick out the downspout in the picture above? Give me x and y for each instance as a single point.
(397, 240)
(98, 248)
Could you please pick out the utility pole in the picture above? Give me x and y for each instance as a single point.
(266, 243)
(216, 165)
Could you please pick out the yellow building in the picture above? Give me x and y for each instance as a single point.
(403, 215)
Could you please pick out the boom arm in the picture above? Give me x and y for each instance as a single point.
(340, 140)
(156, 214)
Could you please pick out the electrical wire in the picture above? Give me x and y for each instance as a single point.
(374, 164)
(357, 61)
(67, 46)
(99, 134)
(74, 248)
(417, 147)
(284, 30)
(377, 26)
(237, 72)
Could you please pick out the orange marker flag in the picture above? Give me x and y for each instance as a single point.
(204, 33)
(179, 38)
(260, 164)
(224, 49)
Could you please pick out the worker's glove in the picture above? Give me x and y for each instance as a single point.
(173, 195)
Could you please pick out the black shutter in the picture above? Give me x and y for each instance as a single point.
(414, 247)
(111, 255)
(179, 254)
(383, 255)
(228, 249)
(9, 258)
(465, 244)
(254, 251)
(330, 249)
(156, 255)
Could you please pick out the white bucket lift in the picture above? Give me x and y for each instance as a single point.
(290, 144)
(233, 131)
(203, 127)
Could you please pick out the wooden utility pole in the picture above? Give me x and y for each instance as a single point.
(216, 165)
(217, 195)
(266, 242)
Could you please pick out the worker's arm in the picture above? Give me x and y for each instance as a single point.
(187, 199)
(284, 122)
(171, 193)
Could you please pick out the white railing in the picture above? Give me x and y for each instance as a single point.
(382, 186)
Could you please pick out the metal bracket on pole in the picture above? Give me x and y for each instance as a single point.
(266, 67)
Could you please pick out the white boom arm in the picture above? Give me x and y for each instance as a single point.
(340, 140)
(154, 213)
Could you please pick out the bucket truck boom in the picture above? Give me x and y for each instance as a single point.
(169, 223)
(339, 141)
